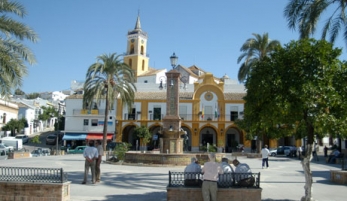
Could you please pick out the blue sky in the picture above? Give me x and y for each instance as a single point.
(208, 34)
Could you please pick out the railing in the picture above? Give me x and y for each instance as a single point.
(88, 112)
(34, 175)
(226, 180)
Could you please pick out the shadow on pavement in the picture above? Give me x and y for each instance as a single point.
(158, 196)
(277, 200)
(120, 180)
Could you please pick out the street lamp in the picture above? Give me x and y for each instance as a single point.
(173, 60)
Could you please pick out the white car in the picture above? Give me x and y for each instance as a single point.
(273, 152)
(6, 147)
(25, 138)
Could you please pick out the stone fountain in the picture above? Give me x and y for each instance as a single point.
(171, 142)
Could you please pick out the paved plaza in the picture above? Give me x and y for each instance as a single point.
(284, 180)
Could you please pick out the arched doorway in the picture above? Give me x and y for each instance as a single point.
(207, 135)
(233, 139)
(127, 136)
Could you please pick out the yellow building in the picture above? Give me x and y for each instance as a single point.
(208, 106)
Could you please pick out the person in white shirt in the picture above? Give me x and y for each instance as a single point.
(211, 171)
(99, 159)
(265, 156)
(192, 172)
(90, 153)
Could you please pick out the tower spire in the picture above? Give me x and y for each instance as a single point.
(138, 23)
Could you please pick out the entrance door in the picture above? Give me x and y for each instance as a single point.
(207, 138)
(230, 142)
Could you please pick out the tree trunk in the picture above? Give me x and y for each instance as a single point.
(306, 165)
(104, 139)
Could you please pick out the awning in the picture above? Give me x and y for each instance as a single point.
(74, 136)
(98, 136)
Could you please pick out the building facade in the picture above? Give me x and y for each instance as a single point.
(8, 111)
(208, 106)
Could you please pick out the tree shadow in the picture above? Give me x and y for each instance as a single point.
(277, 200)
(126, 181)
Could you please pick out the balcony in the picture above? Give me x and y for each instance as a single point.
(88, 112)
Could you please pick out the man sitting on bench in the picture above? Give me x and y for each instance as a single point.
(333, 156)
(191, 172)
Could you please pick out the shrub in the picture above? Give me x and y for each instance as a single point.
(121, 149)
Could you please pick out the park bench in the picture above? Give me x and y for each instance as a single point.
(27, 183)
(231, 186)
(337, 160)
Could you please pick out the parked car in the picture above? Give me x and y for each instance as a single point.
(77, 150)
(60, 135)
(6, 147)
(287, 151)
(3, 154)
(35, 153)
(273, 152)
(51, 139)
(25, 138)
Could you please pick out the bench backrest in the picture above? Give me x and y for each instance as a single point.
(226, 180)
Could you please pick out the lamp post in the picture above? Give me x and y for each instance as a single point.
(173, 60)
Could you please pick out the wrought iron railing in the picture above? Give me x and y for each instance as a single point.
(34, 175)
(226, 180)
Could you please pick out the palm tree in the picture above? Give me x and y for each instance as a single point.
(13, 54)
(109, 78)
(304, 15)
(254, 49)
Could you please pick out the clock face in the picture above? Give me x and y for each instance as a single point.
(208, 96)
(132, 40)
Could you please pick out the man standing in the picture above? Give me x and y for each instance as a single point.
(265, 156)
(211, 171)
(191, 172)
(90, 153)
(98, 160)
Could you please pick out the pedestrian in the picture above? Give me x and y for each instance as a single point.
(99, 159)
(314, 152)
(90, 153)
(265, 156)
(325, 151)
(300, 152)
(211, 171)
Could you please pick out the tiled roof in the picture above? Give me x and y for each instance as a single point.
(151, 71)
(162, 96)
(188, 70)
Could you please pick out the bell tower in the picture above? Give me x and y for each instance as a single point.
(136, 54)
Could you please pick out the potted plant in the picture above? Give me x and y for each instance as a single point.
(145, 136)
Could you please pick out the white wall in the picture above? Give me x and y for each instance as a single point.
(74, 120)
